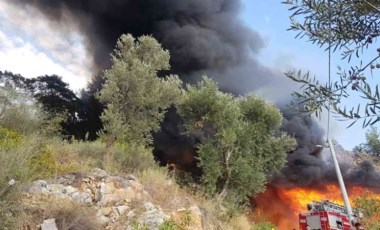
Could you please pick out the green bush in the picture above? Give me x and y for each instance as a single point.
(14, 167)
(133, 158)
(370, 207)
(169, 225)
(43, 164)
(78, 155)
(9, 138)
(264, 226)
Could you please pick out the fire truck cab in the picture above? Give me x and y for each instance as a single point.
(324, 215)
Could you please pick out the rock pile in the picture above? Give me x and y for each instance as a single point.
(119, 202)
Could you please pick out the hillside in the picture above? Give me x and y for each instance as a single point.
(97, 200)
(52, 184)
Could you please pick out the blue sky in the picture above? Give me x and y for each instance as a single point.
(271, 19)
(36, 44)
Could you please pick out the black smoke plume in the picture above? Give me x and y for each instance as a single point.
(311, 166)
(203, 37)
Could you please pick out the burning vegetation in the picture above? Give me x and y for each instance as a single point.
(282, 206)
(207, 37)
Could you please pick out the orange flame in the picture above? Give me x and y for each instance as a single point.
(281, 206)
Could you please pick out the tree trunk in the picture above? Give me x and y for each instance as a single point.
(222, 195)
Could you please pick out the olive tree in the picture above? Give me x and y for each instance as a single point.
(135, 97)
(238, 148)
(372, 144)
(351, 28)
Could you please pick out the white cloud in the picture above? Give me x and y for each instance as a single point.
(29, 62)
(32, 45)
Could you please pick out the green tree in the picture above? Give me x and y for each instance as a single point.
(349, 27)
(369, 205)
(238, 148)
(136, 99)
(372, 144)
(57, 99)
(19, 111)
(54, 95)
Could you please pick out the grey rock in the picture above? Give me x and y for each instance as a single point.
(39, 186)
(122, 209)
(100, 173)
(82, 197)
(153, 219)
(67, 179)
(69, 190)
(49, 224)
(149, 206)
(131, 214)
(132, 177)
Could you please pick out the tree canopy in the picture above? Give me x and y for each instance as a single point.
(372, 144)
(136, 99)
(238, 148)
(81, 113)
(349, 27)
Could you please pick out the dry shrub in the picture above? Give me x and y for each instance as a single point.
(166, 193)
(212, 218)
(163, 190)
(68, 157)
(14, 167)
(83, 155)
(68, 215)
(240, 222)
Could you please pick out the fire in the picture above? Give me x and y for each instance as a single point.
(281, 206)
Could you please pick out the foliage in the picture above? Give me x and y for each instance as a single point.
(56, 98)
(157, 183)
(9, 138)
(131, 158)
(79, 156)
(183, 223)
(169, 225)
(43, 164)
(78, 115)
(349, 27)
(90, 123)
(372, 144)
(238, 147)
(137, 226)
(18, 112)
(370, 206)
(135, 98)
(264, 226)
(14, 171)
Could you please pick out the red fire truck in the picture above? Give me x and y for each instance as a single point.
(325, 215)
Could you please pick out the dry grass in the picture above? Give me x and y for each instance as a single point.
(14, 165)
(240, 222)
(117, 159)
(68, 215)
(71, 216)
(163, 190)
(168, 195)
(36, 157)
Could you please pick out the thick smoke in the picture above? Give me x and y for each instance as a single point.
(311, 166)
(305, 164)
(203, 37)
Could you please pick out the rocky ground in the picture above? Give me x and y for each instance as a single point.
(110, 202)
